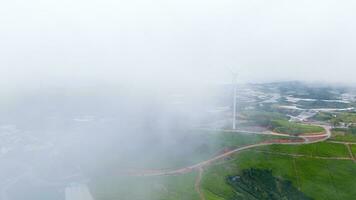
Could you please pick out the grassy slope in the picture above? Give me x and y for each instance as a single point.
(327, 179)
(284, 126)
(343, 136)
(197, 147)
(323, 116)
(214, 179)
(322, 149)
(353, 148)
(319, 179)
(345, 117)
(145, 188)
(214, 143)
(214, 186)
(108, 186)
(336, 118)
(262, 118)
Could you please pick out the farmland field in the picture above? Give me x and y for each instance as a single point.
(316, 178)
(322, 149)
(353, 149)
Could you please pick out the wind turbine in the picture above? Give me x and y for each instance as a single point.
(234, 83)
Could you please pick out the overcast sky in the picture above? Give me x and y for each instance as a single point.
(45, 42)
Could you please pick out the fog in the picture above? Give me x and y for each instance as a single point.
(73, 42)
(90, 88)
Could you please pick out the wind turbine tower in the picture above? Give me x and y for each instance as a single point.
(234, 83)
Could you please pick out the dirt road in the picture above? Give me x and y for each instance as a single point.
(305, 139)
(197, 184)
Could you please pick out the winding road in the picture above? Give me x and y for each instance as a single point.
(296, 140)
(303, 139)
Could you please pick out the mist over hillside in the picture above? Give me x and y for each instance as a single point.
(172, 100)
